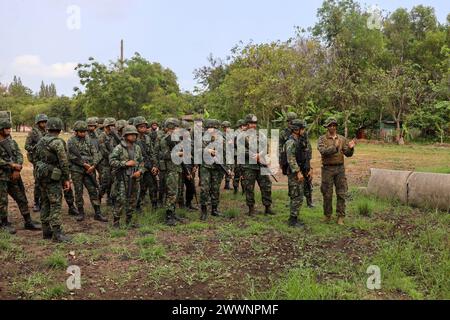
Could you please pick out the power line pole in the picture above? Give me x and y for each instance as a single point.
(121, 54)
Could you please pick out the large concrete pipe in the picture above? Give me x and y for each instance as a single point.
(389, 184)
(431, 190)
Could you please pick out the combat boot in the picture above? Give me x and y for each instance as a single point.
(269, 211)
(227, 185)
(98, 215)
(327, 219)
(215, 212)
(170, 218)
(309, 202)
(293, 222)
(47, 233)
(81, 215)
(204, 215)
(73, 211)
(251, 211)
(30, 224)
(341, 221)
(60, 236)
(236, 190)
(190, 207)
(6, 226)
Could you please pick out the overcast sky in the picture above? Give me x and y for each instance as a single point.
(43, 40)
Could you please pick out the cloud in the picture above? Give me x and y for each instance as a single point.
(32, 65)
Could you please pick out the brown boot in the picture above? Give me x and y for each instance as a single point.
(341, 221)
(327, 219)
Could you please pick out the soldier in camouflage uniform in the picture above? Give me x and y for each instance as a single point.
(120, 125)
(150, 160)
(108, 140)
(127, 164)
(187, 180)
(237, 168)
(100, 126)
(84, 159)
(154, 184)
(38, 131)
(11, 164)
(212, 168)
(333, 148)
(253, 170)
(53, 175)
(297, 168)
(284, 137)
(226, 125)
(170, 172)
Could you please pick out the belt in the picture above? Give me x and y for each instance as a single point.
(333, 165)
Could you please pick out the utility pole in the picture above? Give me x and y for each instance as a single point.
(121, 54)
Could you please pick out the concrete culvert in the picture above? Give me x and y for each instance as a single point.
(430, 190)
(389, 184)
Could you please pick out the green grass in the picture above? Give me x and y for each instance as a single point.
(147, 241)
(83, 239)
(56, 261)
(152, 254)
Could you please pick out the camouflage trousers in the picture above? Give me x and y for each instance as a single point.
(211, 179)
(237, 176)
(51, 203)
(106, 181)
(125, 203)
(295, 194)
(162, 188)
(172, 182)
(16, 190)
(334, 176)
(37, 191)
(81, 180)
(249, 178)
(148, 184)
(189, 185)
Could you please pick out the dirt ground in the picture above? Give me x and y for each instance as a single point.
(224, 258)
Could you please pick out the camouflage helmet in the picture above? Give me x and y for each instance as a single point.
(80, 126)
(40, 118)
(101, 121)
(92, 121)
(212, 123)
(120, 124)
(152, 122)
(291, 116)
(109, 122)
(240, 123)
(5, 124)
(251, 118)
(139, 121)
(131, 121)
(226, 124)
(55, 124)
(330, 121)
(129, 129)
(185, 125)
(297, 124)
(171, 123)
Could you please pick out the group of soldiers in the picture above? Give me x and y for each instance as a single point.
(122, 162)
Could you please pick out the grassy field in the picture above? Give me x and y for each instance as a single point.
(252, 258)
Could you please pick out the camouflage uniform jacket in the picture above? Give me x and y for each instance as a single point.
(148, 151)
(33, 138)
(259, 141)
(85, 149)
(107, 143)
(332, 155)
(52, 151)
(120, 156)
(6, 160)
